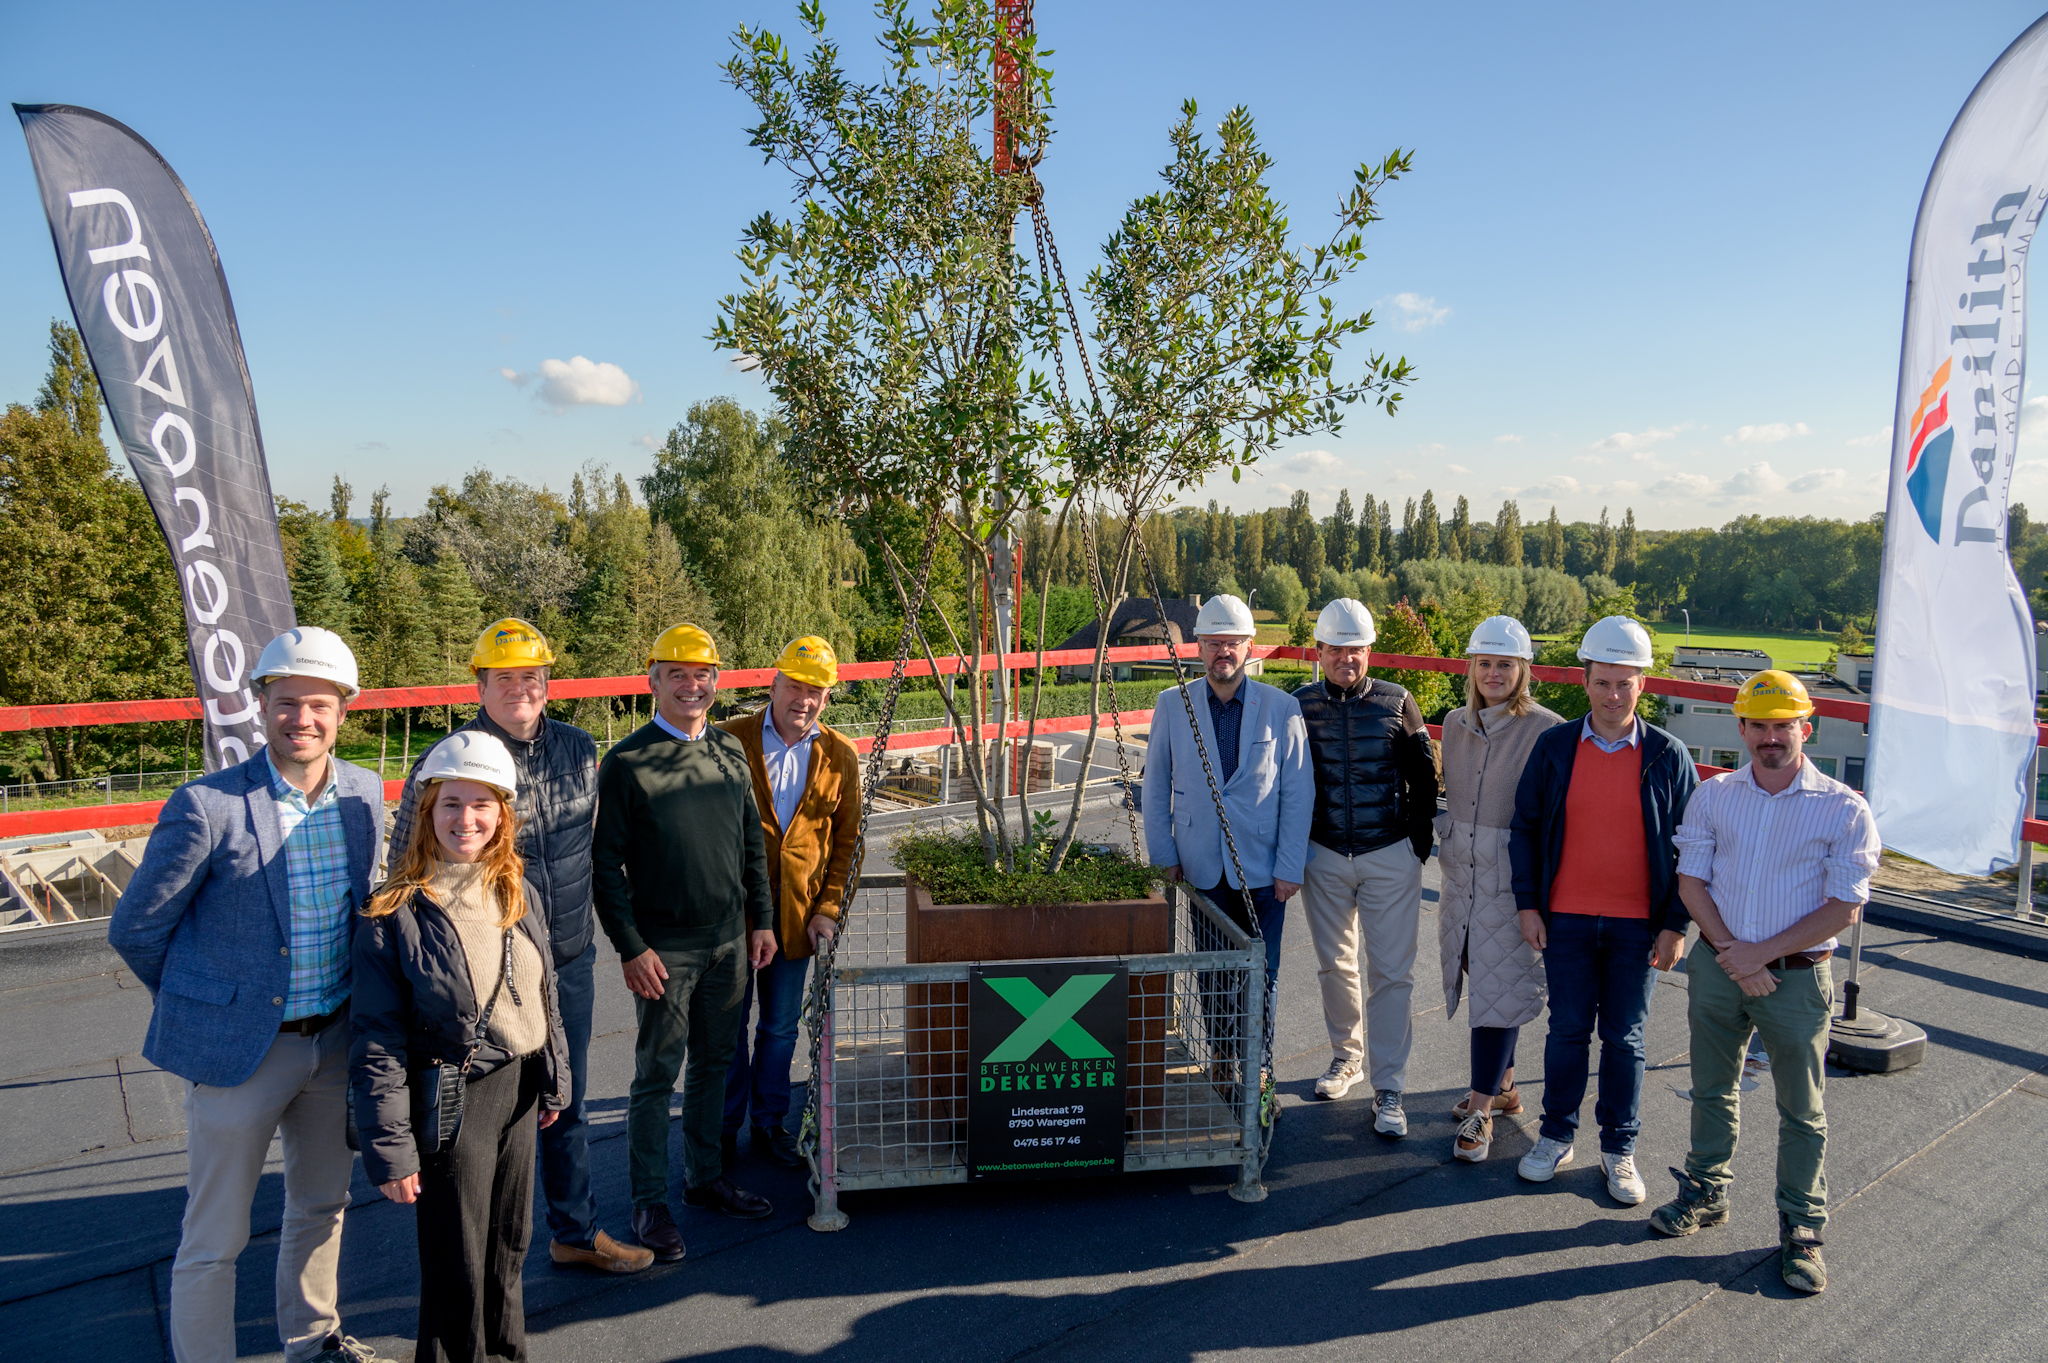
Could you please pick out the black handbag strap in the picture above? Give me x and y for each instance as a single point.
(483, 1022)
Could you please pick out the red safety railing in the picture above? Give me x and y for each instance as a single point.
(81, 818)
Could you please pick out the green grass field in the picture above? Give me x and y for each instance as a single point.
(1792, 650)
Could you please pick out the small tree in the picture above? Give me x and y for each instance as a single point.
(894, 320)
(1281, 592)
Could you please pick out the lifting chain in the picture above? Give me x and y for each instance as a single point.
(818, 997)
(1054, 276)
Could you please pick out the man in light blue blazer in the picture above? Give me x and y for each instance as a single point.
(1258, 751)
(239, 922)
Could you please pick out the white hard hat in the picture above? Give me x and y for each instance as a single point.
(1616, 639)
(471, 755)
(1345, 623)
(308, 651)
(1224, 614)
(1503, 635)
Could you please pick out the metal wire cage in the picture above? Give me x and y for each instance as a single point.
(890, 1037)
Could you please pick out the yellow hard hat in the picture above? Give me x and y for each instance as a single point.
(510, 643)
(1771, 694)
(684, 644)
(809, 660)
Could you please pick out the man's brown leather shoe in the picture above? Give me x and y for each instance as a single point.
(605, 1254)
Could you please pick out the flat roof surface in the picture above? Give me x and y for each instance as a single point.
(1365, 1247)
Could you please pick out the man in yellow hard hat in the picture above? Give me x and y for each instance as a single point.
(807, 785)
(557, 766)
(683, 892)
(1774, 860)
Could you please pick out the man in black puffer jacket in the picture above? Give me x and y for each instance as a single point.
(557, 807)
(1375, 807)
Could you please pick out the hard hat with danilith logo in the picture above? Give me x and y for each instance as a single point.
(1771, 694)
(809, 660)
(510, 642)
(684, 644)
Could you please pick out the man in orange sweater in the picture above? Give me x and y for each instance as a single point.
(807, 785)
(1596, 883)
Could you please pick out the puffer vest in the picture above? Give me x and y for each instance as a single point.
(1354, 742)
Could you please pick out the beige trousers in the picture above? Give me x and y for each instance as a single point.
(1376, 896)
(299, 1092)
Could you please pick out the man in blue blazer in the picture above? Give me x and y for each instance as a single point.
(1258, 752)
(239, 922)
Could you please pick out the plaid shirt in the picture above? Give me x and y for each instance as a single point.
(317, 870)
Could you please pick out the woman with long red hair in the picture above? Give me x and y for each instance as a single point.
(459, 1054)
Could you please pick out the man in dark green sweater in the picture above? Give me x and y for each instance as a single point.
(682, 890)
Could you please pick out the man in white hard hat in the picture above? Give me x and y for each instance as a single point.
(557, 805)
(1596, 886)
(1257, 750)
(239, 922)
(1375, 805)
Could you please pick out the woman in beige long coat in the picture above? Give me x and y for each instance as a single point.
(1485, 961)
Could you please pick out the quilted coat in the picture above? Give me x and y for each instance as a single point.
(1479, 936)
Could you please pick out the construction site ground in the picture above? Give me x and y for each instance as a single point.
(1365, 1247)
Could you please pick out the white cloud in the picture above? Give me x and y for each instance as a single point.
(1682, 485)
(1312, 461)
(647, 440)
(578, 382)
(1555, 488)
(1754, 480)
(1419, 313)
(1508, 439)
(1401, 476)
(2031, 412)
(1881, 437)
(1632, 440)
(1770, 433)
(1591, 461)
(1819, 480)
(1457, 469)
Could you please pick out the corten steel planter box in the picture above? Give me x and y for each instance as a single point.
(937, 1013)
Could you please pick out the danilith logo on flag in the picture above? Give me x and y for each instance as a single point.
(1927, 456)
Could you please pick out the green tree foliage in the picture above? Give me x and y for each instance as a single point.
(1507, 535)
(1402, 630)
(1304, 539)
(1553, 542)
(1367, 553)
(1428, 534)
(1251, 548)
(1552, 600)
(1625, 547)
(1441, 581)
(89, 608)
(319, 583)
(747, 537)
(1281, 592)
(1340, 534)
(512, 537)
(1458, 538)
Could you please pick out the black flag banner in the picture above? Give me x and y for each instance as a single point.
(153, 308)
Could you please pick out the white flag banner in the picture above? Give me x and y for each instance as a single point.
(1952, 715)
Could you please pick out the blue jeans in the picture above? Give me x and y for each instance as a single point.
(757, 1089)
(1599, 973)
(565, 1146)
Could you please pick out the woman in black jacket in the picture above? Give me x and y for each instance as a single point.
(451, 970)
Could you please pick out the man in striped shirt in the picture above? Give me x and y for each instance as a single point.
(1774, 860)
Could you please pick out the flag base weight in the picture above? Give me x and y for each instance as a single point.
(1873, 1043)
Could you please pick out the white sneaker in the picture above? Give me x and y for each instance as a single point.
(1624, 1184)
(1543, 1161)
(1475, 1138)
(1339, 1078)
(1387, 1117)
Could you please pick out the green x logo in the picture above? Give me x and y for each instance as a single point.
(1048, 1018)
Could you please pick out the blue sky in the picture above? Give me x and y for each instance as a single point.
(1649, 255)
